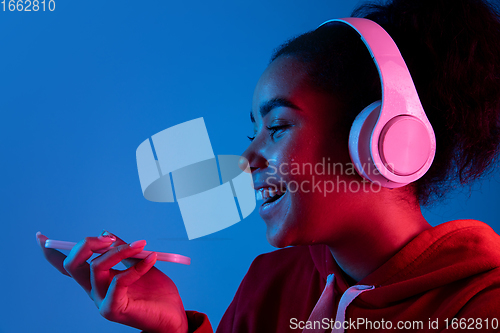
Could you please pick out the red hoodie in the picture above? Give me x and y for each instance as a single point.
(448, 274)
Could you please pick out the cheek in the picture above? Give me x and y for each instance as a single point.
(319, 175)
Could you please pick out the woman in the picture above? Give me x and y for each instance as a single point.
(362, 254)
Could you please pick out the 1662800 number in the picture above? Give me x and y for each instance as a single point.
(28, 5)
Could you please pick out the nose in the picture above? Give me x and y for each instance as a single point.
(252, 158)
(243, 164)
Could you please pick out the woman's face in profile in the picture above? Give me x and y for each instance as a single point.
(295, 146)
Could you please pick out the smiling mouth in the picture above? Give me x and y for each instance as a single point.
(270, 194)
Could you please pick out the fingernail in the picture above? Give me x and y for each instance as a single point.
(106, 236)
(150, 257)
(37, 240)
(139, 243)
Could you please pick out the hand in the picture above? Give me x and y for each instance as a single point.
(140, 296)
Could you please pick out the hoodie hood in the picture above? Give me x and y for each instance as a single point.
(452, 256)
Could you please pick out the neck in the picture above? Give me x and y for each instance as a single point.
(378, 232)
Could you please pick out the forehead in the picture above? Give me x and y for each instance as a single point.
(283, 79)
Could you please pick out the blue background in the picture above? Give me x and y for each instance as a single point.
(82, 87)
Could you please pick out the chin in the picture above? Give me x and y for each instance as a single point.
(280, 238)
(278, 243)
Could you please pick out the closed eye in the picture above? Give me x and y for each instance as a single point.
(276, 130)
(273, 130)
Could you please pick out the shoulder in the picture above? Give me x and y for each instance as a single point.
(290, 266)
(268, 292)
(485, 303)
(279, 264)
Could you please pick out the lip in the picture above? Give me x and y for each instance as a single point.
(273, 209)
(267, 183)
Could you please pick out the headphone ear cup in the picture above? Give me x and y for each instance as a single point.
(405, 147)
(359, 141)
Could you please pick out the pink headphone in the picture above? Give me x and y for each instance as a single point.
(391, 141)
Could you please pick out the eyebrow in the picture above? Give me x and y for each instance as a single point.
(268, 106)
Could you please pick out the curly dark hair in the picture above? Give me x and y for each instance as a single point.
(452, 50)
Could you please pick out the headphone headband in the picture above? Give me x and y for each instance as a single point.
(397, 84)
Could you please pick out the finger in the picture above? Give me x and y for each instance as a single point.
(110, 258)
(76, 262)
(100, 274)
(129, 262)
(54, 257)
(118, 241)
(116, 297)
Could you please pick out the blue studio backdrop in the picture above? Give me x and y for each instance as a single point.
(82, 86)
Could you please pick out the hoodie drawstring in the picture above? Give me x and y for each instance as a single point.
(324, 306)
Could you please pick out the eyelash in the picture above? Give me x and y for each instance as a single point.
(272, 129)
